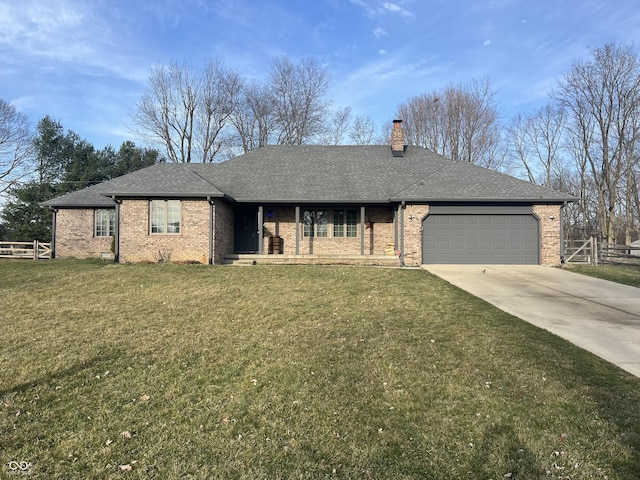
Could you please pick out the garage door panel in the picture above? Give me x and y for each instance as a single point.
(481, 238)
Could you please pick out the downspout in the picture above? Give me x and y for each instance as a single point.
(562, 242)
(116, 240)
(403, 206)
(53, 232)
(297, 230)
(362, 213)
(211, 204)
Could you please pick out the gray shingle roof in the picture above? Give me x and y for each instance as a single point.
(326, 174)
(163, 180)
(90, 197)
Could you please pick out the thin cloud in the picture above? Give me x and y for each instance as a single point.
(382, 9)
(380, 32)
(487, 42)
(66, 32)
(395, 8)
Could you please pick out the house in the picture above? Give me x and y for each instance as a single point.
(324, 203)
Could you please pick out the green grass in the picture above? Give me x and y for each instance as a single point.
(625, 274)
(198, 372)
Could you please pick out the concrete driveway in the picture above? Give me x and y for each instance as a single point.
(600, 316)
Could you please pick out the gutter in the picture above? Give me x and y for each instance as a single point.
(562, 245)
(211, 236)
(53, 231)
(116, 240)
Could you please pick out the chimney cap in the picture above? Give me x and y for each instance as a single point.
(397, 121)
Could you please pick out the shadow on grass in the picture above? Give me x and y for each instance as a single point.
(59, 375)
(614, 393)
(517, 460)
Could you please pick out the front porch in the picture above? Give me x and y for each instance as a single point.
(287, 259)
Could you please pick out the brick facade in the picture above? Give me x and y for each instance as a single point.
(75, 235)
(550, 240)
(548, 220)
(223, 232)
(413, 217)
(137, 244)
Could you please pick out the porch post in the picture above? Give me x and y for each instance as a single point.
(362, 230)
(260, 230)
(297, 229)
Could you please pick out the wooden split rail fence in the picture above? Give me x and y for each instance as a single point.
(593, 252)
(30, 250)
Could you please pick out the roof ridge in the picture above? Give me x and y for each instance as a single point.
(213, 185)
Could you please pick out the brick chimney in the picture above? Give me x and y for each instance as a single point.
(397, 139)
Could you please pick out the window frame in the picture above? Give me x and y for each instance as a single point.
(348, 225)
(315, 223)
(165, 217)
(104, 222)
(346, 228)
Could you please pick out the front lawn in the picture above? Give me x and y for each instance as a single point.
(198, 372)
(625, 274)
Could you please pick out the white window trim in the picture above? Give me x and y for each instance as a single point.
(344, 224)
(330, 223)
(111, 226)
(165, 217)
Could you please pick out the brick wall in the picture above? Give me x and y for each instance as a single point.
(75, 235)
(549, 233)
(413, 232)
(378, 235)
(549, 221)
(190, 245)
(223, 233)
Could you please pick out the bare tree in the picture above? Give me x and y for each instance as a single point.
(536, 143)
(602, 101)
(461, 122)
(186, 111)
(299, 95)
(16, 146)
(254, 116)
(337, 127)
(363, 131)
(219, 92)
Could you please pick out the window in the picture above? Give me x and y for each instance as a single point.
(105, 222)
(165, 216)
(315, 223)
(345, 223)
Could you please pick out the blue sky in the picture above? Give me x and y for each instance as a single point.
(85, 62)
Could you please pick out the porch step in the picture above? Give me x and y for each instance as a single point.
(364, 260)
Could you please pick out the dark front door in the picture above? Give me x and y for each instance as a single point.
(246, 229)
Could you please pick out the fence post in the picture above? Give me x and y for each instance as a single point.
(35, 249)
(595, 251)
